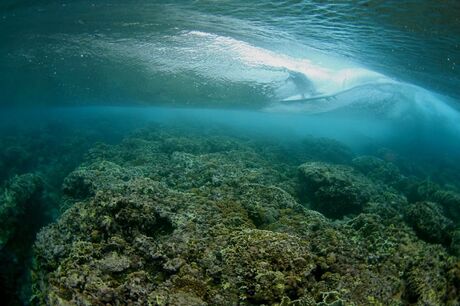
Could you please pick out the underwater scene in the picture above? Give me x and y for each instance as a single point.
(217, 152)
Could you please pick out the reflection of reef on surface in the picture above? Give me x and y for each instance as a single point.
(175, 217)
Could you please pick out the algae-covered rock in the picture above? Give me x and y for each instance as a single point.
(264, 204)
(86, 180)
(426, 190)
(91, 249)
(377, 169)
(335, 190)
(424, 284)
(429, 222)
(450, 201)
(267, 266)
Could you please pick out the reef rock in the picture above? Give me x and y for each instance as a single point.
(377, 169)
(335, 190)
(429, 222)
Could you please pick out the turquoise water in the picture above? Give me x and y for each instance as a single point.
(230, 152)
(225, 53)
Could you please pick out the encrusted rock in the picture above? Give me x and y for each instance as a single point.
(335, 190)
(429, 222)
(377, 169)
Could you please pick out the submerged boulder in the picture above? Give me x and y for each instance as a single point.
(450, 201)
(377, 169)
(429, 222)
(335, 190)
(426, 190)
(264, 204)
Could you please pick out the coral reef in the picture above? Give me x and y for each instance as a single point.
(174, 217)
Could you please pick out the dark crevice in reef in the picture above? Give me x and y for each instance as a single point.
(79, 189)
(162, 227)
(26, 206)
(15, 255)
(318, 272)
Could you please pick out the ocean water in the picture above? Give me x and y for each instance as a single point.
(229, 152)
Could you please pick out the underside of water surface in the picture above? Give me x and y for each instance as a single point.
(229, 152)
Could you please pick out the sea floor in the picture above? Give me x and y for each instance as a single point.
(201, 214)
